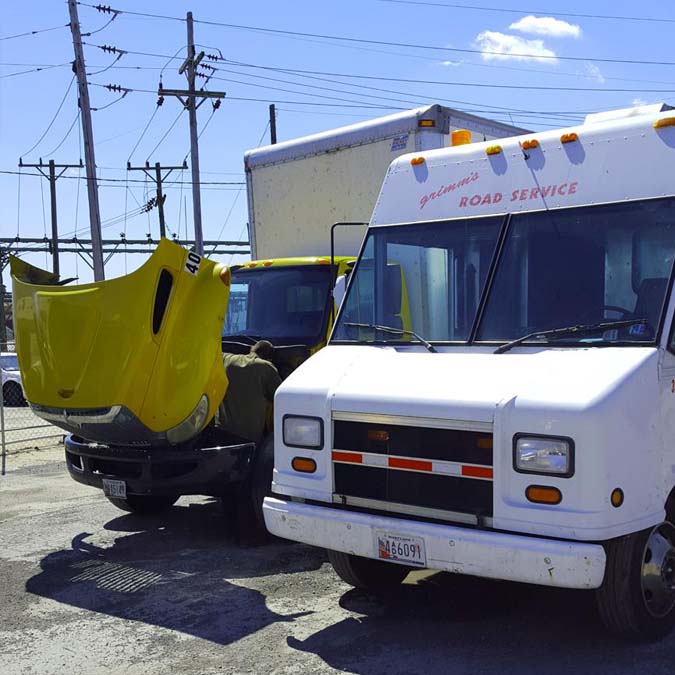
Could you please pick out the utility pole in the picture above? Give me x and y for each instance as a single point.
(189, 100)
(273, 124)
(88, 135)
(52, 177)
(158, 178)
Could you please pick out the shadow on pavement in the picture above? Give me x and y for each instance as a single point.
(448, 623)
(171, 570)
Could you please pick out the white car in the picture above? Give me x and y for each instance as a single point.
(12, 389)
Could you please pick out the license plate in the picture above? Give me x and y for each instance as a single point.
(400, 548)
(114, 488)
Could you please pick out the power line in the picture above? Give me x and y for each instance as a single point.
(33, 70)
(407, 45)
(465, 84)
(33, 32)
(546, 11)
(56, 114)
(124, 180)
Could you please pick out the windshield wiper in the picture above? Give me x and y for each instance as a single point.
(395, 331)
(570, 331)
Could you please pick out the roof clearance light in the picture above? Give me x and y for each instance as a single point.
(426, 123)
(494, 149)
(267, 263)
(460, 137)
(541, 494)
(664, 122)
(323, 261)
(225, 276)
(416, 161)
(531, 144)
(304, 464)
(251, 264)
(569, 138)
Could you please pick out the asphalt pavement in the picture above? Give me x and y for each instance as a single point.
(89, 589)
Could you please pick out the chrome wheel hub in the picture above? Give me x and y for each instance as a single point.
(658, 570)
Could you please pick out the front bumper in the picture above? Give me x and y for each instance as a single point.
(175, 470)
(482, 553)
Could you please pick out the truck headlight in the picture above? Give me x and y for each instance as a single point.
(550, 455)
(303, 432)
(191, 425)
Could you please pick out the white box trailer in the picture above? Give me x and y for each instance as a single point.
(297, 189)
(524, 431)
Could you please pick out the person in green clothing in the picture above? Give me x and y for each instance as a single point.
(246, 409)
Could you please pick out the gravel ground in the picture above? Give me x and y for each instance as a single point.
(88, 589)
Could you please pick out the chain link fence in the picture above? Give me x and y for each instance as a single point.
(20, 428)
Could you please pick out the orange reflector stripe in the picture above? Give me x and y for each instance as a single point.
(478, 471)
(353, 457)
(414, 464)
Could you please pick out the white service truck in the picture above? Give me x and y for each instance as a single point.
(523, 428)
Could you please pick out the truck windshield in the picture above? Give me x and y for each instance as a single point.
(555, 269)
(286, 305)
(426, 278)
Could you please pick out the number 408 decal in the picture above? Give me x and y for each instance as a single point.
(192, 263)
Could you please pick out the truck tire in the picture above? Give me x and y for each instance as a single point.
(144, 504)
(637, 596)
(12, 395)
(367, 574)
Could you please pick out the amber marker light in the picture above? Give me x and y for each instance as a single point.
(426, 123)
(664, 122)
(494, 149)
(531, 144)
(304, 464)
(569, 138)
(541, 494)
(416, 161)
(225, 276)
(616, 497)
(484, 442)
(460, 137)
(267, 263)
(378, 435)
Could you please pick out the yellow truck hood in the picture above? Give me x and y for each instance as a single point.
(133, 360)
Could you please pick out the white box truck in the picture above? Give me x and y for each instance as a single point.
(297, 191)
(522, 429)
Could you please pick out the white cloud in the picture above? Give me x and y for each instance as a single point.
(639, 101)
(451, 63)
(593, 72)
(546, 25)
(497, 46)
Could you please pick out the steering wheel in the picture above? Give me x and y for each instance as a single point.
(625, 313)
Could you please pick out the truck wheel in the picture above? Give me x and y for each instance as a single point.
(12, 395)
(637, 596)
(366, 574)
(143, 504)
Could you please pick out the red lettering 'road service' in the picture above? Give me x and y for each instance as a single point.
(519, 195)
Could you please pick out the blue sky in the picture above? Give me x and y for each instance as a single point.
(28, 101)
